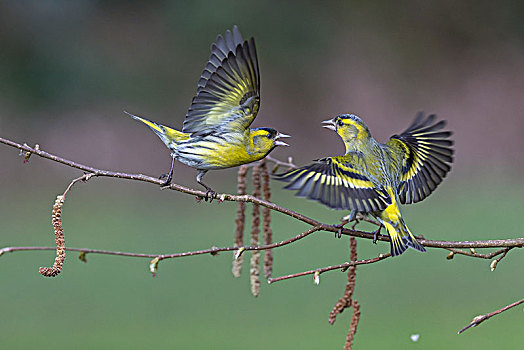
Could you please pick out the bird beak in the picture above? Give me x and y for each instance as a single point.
(330, 124)
(281, 143)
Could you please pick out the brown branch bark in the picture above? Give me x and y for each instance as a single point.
(316, 225)
(481, 318)
(454, 246)
(212, 251)
(496, 243)
(342, 267)
(491, 255)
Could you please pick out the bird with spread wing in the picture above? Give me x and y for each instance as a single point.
(374, 178)
(216, 133)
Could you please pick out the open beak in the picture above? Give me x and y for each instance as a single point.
(329, 124)
(281, 143)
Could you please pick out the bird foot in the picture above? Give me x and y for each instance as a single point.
(345, 220)
(168, 178)
(210, 194)
(339, 227)
(376, 234)
(169, 175)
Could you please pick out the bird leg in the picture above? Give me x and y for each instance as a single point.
(376, 234)
(210, 194)
(168, 176)
(346, 219)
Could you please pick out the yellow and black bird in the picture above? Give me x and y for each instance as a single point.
(374, 178)
(216, 133)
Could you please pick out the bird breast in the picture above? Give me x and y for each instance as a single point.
(215, 152)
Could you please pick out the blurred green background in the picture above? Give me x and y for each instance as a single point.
(69, 69)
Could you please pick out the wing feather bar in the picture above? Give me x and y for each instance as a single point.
(334, 185)
(425, 157)
(227, 95)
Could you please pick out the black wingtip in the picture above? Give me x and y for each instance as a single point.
(237, 37)
(397, 250)
(413, 244)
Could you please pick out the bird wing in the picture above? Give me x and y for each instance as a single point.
(338, 183)
(227, 97)
(425, 155)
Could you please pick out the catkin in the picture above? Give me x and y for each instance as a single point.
(59, 240)
(353, 326)
(347, 299)
(266, 222)
(240, 220)
(254, 271)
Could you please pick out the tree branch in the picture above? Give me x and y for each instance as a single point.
(455, 247)
(512, 242)
(212, 251)
(481, 318)
(243, 198)
(342, 267)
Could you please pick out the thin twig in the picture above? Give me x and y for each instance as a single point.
(342, 267)
(472, 253)
(481, 318)
(212, 251)
(498, 243)
(495, 262)
(454, 246)
(289, 164)
(469, 253)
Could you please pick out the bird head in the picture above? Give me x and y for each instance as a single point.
(349, 126)
(264, 140)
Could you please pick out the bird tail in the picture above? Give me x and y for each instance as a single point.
(401, 238)
(169, 136)
(399, 234)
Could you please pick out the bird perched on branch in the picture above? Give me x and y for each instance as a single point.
(374, 178)
(216, 133)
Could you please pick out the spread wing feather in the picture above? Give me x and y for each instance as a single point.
(336, 183)
(228, 92)
(426, 157)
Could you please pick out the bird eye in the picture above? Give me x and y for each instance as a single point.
(268, 136)
(340, 123)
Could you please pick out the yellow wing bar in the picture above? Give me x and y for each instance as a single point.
(228, 92)
(333, 182)
(425, 155)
